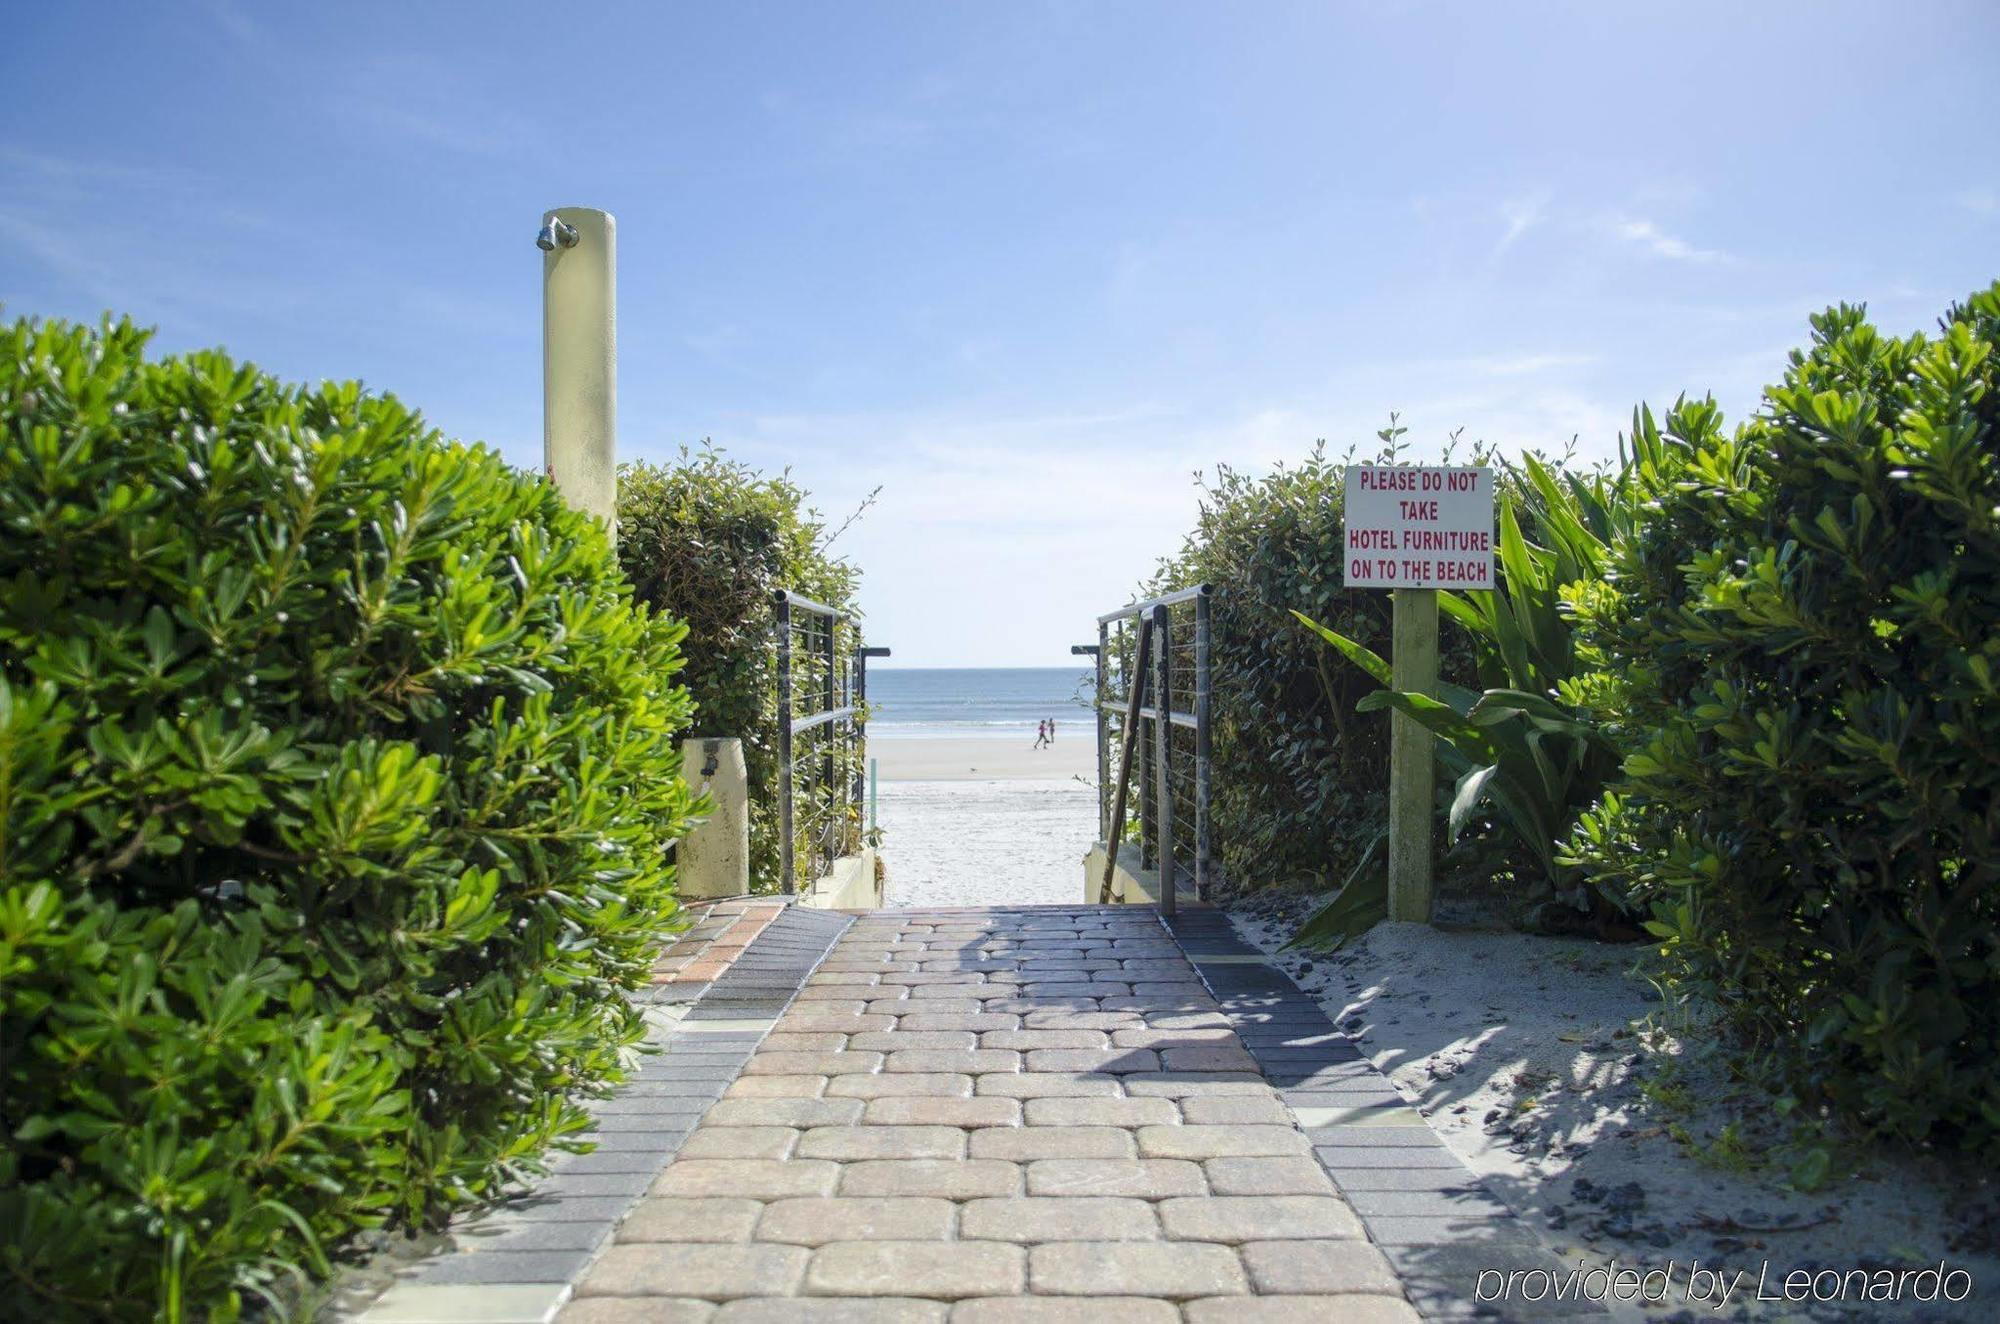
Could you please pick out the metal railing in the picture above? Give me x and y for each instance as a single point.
(1169, 727)
(822, 736)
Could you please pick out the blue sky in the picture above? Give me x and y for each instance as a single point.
(1026, 266)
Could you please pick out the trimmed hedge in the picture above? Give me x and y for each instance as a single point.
(1298, 775)
(337, 779)
(709, 541)
(1803, 642)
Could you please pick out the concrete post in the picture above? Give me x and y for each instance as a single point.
(580, 358)
(1413, 667)
(715, 856)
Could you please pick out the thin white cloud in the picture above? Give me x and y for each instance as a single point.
(1659, 243)
(1521, 215)
(1981, 202)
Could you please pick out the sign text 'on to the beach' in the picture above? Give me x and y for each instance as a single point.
(1419, 527)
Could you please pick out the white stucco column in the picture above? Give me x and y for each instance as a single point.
(580, 358)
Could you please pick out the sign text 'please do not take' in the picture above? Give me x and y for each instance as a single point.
(1419, 527)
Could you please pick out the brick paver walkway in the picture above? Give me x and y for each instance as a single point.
(1026, 1115)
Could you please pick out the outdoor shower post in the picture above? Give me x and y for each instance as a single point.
(580, 358)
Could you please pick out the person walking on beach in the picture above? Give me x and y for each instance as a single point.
(1052, 730)
(1041, 734)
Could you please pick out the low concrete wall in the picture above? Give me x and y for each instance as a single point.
(852, 884)
(714, 857)
(1130, 885)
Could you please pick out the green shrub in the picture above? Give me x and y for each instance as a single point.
(1528, 753)
(1297, 776)
(709, 541)
(337, 779)
(1804, 636)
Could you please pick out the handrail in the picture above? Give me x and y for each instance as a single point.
(1145, 720)
(1164, 600)
(787, 597)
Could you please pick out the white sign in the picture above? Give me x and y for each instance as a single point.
(1410, 527)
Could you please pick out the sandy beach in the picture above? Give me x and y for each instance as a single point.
(1523, 1054)
(984, 758)
(985, 821)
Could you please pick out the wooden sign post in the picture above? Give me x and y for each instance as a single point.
(1415, 530)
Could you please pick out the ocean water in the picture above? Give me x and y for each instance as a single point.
(1001, 702)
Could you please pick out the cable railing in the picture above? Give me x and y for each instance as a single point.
(1160, 789)
(822, 737)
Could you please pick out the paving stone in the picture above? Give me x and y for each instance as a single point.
(960, 1179)
(715, 1272)
(1340, 1161)
(1238, 1218)
(1462, 1203)
(1185, 1084)
(1153, 1037)
(832, 1310)
(812, 1064)
(1206, 1142)
(804, 1041)
(967, 1061)
(1302, 1310)
(566, 1183)
(784, 1112)
(944, 1269)
(1080, 1020)
(757, 1179)
(1134, 1268)
(1021, 1144)
(1047, 1084)
(504, 1266)
(814, 1222)
(1049, 1218)
(1031, 1039)
(1208, 1057)
(1267, 1176)
(1149, 1179)
(1187, 1020)
(776, 1087)
(848, 1143)
(1374, 1137)
(902, 1041)
(500, 1231)
(419, 1303)
(1446, 1229)
(1234, 1110)
(925, 1111)
(818, 1016)
(1101, 1112)
(939, 1084)
(765, 1142)
(1064, 1310)
(1307, 1268)
(978, 1022)
(637, 1310)
(715, 1218)
(1110, 1061)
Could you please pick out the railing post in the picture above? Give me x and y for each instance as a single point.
(788, 872)
(830, 838)
(856, 736)
(580, 358)
(1149, 800)
(1163, 739)
(1201, 743)
(1103, 734)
